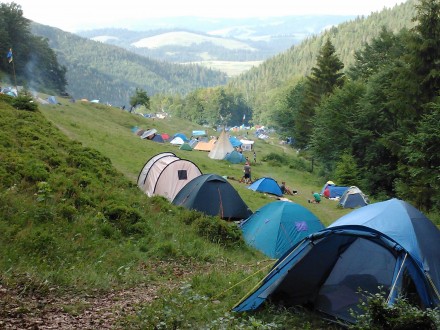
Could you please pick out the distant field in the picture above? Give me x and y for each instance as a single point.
(230, 68)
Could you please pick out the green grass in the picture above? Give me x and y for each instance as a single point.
(73, 220)
(108, 130)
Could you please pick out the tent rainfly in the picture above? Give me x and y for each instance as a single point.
(213, 195)
(266, 185)
(276, 227)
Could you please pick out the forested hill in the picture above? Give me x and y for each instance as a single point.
(347, 38)
(111, 74)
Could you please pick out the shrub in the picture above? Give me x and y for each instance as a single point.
(35, 171)
(299, 163)
(188, 216)
(218, 231)
(40, 243)
(68, 212)
(377, 314)
(24, 101)
(276, 159)
(124, 218)
(43, 214)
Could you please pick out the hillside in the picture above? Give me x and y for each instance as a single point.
(111, 74)
(347, 38)
(82, 245)
(108, 73)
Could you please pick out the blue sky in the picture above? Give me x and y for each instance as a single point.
(86, 14)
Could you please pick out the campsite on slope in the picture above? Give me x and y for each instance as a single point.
(108, 130)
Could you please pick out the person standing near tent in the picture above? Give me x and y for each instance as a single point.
(255, 157)
(316, 198)
(247, 178)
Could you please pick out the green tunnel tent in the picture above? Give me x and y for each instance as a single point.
(213, 195)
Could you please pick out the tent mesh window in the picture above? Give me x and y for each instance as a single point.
(182, 175)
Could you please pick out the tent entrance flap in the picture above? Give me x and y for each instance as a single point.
(363, 266)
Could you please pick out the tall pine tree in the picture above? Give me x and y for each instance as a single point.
(325, 76)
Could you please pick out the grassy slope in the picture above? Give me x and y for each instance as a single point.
(108, 130)
(59, 241)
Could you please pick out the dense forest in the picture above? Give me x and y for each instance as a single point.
(112, 74)
(375, 124)
(27, 60)
(262, 84)
(372, 121)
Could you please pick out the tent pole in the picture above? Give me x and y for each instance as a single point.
(397, 277)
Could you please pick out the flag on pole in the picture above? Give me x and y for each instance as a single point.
(9, 56)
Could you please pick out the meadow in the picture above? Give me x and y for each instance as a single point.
(109, 130)
(84, 247)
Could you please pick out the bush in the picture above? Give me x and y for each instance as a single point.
(24, 101)
(218, 231)
(188, 216)
(401, 315)
(276, 159)
(124, 218)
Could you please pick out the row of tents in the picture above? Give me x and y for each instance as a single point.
(388, 246)
(224, 147)
(183, 184)
(347, 197)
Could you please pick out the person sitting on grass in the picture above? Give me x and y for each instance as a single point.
(316, 198)
(285, 190)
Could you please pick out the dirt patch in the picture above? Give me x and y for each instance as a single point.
(85, 312)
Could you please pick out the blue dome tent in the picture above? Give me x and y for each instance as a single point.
(388, 246)
(267, 185)
(276, 227)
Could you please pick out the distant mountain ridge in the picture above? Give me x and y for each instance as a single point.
(195, 39)
(97, 70)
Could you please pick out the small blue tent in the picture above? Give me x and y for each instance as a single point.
(52, 100)
(267, 185)
(235, 142)
(353, 197)
(182, 136)
(235, 157)
(330, 190)
(388, 246)
(276, 227)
